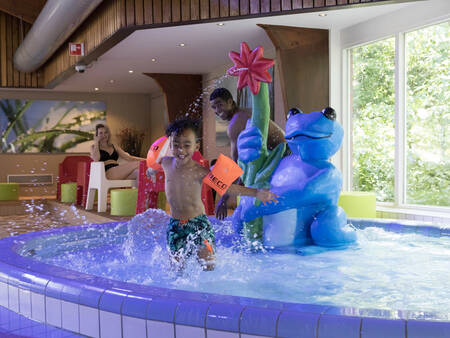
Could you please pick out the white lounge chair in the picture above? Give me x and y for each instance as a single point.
(99, 182)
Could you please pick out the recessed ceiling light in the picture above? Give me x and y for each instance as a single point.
(220, 24)
(153, 60)
(181, 44)
(96, 89)
(322, 14)
(130, 71)
(111, 81)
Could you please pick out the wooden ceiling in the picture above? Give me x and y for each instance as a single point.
(27, 10)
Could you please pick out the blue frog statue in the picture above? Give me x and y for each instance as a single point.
(307, 183)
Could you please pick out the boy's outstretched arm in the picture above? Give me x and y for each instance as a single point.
(263, 195)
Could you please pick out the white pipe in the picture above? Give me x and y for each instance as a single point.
(57, 20)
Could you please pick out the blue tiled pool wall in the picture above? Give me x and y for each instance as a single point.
(100, 307)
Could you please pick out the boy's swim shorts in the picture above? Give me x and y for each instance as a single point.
(188, 235)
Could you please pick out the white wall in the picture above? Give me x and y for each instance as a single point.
(158, 116)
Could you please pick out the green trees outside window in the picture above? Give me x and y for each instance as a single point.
(426, 114)
(373, 106)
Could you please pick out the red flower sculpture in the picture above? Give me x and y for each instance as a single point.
(251, 67)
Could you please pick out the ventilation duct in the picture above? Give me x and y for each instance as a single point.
(57, 20)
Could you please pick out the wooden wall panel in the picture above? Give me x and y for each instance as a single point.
(245, 7)
(166, 11)
(176, 11)
(303, 63)
(297, 4)
(157, 11)
(12, 31)
(130, 17)
(9, 51)
(319, 3)
(113, 20)
(195, 10)
(214, 11)
(185, 10)
(204, 9)
(179, 90)
(308, 4)
(234, 7)
(265, 6)
(139, 12)
(275, 5)
(286, 5)
(148, 12)
(3, 50)
(15, 45)
(255, 7)
(224, 8)
(122, 12)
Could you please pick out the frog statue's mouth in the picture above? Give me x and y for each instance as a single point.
(309, 134)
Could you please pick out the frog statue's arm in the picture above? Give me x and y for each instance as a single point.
(321, 188)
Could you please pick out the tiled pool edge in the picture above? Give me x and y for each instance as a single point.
(75, 302)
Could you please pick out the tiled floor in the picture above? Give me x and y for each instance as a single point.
(18, 217)
(23, 216)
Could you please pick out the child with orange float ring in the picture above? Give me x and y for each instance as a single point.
(189, 230)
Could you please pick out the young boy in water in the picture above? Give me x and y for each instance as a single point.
(189, 230)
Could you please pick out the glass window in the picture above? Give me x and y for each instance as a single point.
(428, 116)
(373, 115)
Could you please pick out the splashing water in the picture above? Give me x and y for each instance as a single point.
(195, 106)
(34, 215)
(375, 273)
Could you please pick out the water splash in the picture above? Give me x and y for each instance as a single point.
(195, 107)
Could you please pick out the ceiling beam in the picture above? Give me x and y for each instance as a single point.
(27, 10)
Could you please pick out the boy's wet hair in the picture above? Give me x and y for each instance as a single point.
(222, 93)
(179, 126)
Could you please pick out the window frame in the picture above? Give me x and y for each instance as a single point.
(400, 78)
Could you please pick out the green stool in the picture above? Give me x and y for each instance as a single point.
(161, 203)
(358, 204)
(68, 192)
(123, 202)
(9, 191)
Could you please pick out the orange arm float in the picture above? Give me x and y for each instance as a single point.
(223, 174)
(157, 151)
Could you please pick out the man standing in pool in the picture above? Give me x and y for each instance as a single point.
(189, 230)
(225, 108)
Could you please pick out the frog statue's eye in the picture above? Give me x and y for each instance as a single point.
(293, 111)
(329, 113)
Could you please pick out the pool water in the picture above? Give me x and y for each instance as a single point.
(384, 270)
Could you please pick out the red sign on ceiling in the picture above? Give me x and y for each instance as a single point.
(76, 49)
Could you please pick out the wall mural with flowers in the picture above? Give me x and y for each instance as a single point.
(45, 126)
